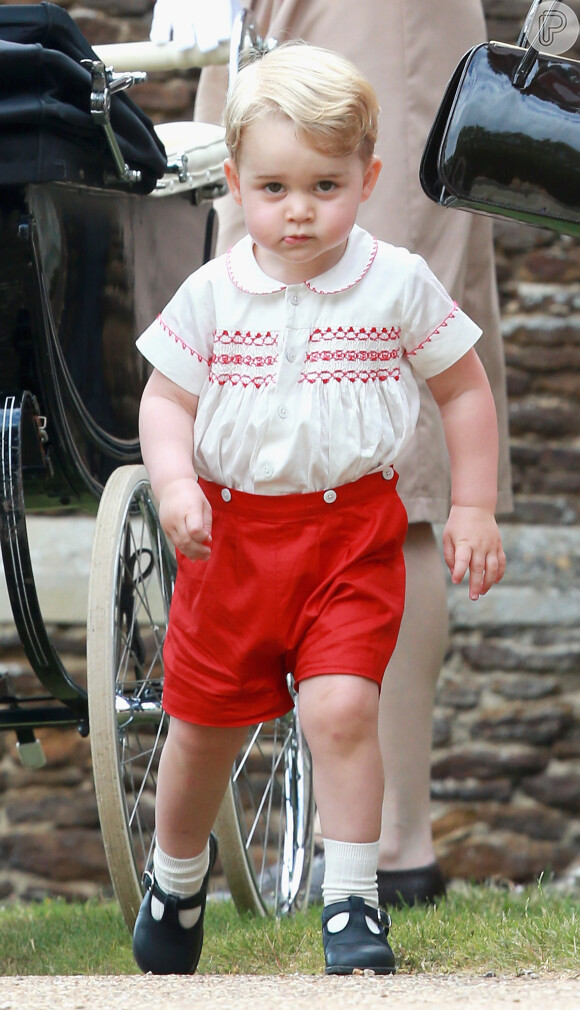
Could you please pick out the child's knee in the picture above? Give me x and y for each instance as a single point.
(340, 713)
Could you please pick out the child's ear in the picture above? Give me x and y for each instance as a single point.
(372, 172)
(233, 179)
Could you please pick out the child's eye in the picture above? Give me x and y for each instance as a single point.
(326, 185)
(273, 187)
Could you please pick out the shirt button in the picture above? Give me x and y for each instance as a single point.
(291, 354)
(268, 470)
(388, 473)
(283, 411)
(294, 299)
(226, 494)
(329, 497)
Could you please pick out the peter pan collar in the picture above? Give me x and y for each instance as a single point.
(357, 260)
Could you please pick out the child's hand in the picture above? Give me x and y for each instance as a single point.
(185, 515)
(471, 540)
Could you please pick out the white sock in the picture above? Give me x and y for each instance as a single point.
(181, 877)
(350, 868)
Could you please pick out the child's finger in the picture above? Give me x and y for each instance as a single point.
(476, 575)
(494, 569)
(461, 562)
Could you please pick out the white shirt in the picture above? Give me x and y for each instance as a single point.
(303, 387)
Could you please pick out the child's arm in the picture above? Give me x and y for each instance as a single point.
(166, 419)
(471, 539)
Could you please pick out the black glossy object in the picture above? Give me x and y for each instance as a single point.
(356, 947)
(421, 885)
(506, 139)
(163, 946)
(82, 272)
(47, 131)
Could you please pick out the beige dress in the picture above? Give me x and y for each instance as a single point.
(408, 50)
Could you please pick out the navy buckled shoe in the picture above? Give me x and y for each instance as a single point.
(357, 947)
(164, 946)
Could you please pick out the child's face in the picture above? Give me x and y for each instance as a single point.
(299, 205)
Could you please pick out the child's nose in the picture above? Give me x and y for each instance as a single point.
(299, 208)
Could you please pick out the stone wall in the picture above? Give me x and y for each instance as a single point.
(506, 754)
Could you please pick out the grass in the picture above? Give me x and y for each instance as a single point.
(479, 931)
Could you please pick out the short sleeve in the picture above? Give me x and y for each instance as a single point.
(179, 343)
(435, 331)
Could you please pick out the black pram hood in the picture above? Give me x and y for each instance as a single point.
(46, 129)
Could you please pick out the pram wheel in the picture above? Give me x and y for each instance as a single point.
(132, 572)
(265, 825)
(266, 821)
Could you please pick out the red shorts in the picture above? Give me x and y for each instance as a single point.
(306, 584)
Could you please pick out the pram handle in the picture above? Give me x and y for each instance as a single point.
(152, 57)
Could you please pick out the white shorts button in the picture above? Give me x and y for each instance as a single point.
(329, 497)
(226, 494)
(388, 473)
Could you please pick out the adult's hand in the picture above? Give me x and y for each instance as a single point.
(193, 22)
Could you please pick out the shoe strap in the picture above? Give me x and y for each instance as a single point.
(195, 901)
(357, 904)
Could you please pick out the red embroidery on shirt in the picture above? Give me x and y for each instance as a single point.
(358, 333)
(434, 332)
(380, 375)
(340, 355)
(222, 361)
(247, 337)
(240, 287)
(350, 284)
(357, 344)
(237, 379)
(243, 359)
(180, 340)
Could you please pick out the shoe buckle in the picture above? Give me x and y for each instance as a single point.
(147, 880)
(385, 918)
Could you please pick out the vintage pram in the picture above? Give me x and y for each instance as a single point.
(99, 225)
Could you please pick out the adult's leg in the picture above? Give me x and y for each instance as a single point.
(406, 707)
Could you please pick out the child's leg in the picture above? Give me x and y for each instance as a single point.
(339, 716)
(193, 774)
(194, 770)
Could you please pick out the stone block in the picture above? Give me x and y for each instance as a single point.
(60, 855)
(474, 761)
(492, 654)
(533, 820)
(63, 808)
(471, 790)
(486, 855)
(521, 606)
(538, 723)
(561, 791)
(120, 8)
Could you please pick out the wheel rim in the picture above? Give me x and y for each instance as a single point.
(272, 792)
(132, 573)
(145, 582)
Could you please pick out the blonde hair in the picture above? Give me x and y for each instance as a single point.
(332, 105)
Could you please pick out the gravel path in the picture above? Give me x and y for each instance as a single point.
(295, 992)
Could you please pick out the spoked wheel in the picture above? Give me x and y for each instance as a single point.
(266, 822)
(131, 581)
